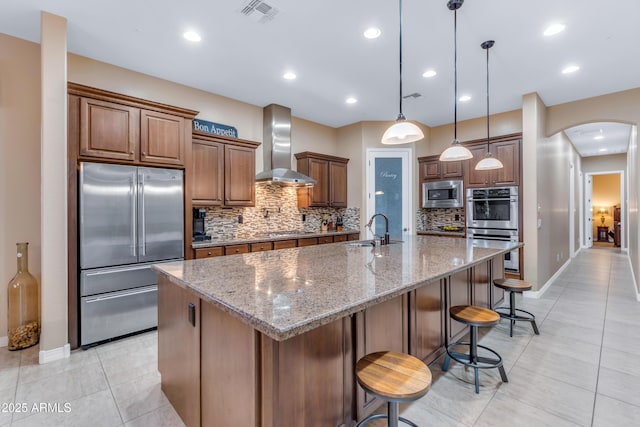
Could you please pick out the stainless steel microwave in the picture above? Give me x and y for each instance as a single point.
(442, 194)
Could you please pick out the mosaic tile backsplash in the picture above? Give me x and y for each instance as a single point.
(432, 219)
(276, 209)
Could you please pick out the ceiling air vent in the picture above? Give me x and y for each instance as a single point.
(259, 11)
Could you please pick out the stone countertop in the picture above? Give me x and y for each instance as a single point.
(442, 233)
(287, 292)
(268, 236)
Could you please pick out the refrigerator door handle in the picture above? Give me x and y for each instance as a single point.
(121, 294)
(143, 240)
(134, 227)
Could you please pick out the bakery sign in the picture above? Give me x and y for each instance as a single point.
(214, 128)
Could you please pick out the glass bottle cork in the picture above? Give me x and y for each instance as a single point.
(23, 304)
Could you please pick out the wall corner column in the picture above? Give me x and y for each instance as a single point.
(53, 144)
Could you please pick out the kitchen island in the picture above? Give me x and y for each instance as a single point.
(271, 338)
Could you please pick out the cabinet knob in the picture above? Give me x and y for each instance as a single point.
(144, 153)
(237, 250)
(209, 253)
(131, 152)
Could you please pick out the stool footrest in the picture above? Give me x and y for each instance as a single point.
(480, 362)
(378, 416)
(529, 317)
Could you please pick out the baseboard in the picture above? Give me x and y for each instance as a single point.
(47, 356)
(4, 341)
(538, 294)
(633, 276)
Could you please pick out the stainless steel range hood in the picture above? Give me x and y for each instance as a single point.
(276, 146)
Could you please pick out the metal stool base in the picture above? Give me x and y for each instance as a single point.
(392, 415)
(514, 317)
(472, 359)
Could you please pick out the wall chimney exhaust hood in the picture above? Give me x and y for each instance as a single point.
(276, 146)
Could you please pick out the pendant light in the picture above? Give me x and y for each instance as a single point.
(455, 151)
(489, 162)
(402, 131)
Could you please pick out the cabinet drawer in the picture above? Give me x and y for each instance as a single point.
(209, 252)
(236, 249)
(310, 241)
(354, 236)
(340, 238)
(264, 246)
(325, 239)
(285, 244)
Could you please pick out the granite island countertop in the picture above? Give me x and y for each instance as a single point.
(287, 292)
(267, 236)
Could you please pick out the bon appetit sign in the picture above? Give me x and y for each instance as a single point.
(214, 128)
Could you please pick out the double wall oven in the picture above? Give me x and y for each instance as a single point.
(492, 214)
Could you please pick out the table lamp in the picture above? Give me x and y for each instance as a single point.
(602, 212)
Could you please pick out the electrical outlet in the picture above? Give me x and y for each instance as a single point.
(456, 217)
(304, 217)
(240, 219)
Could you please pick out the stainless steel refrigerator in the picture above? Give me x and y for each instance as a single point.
(130, 218)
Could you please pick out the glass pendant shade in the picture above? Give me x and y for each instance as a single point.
(402, 132)
(489, 163)
(455, 152)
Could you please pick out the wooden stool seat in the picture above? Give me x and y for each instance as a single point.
(513, 314)
(393, 377)
(474, 315)
(513, 285)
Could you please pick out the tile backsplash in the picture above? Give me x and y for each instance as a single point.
(431, 219)
(276, 209)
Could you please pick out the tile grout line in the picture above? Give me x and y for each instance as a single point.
(106, 377)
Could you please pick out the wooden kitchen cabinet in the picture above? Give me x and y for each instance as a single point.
(223, 171)
(430, 168)
(285, 244)
(507, 150)
(236, 249)
(309, 241)
(458, 293)
(208, 252)
(179, 350)
(261, 247)
(162, 138)
(427, 317)
(124, 129)
(330, 173)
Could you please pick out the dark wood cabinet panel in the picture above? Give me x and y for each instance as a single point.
(325, 239)
(108, 130)
(330, 173)
(354, 236)
(338, 184)
(451, 170)
(236, 249)
(482, 286)
(458, 293)
(430, 168)
(208, 252)
(382, 327)
(239, 176)
(179, 349)
(161, 138)
(497, 272)
(285, 244)
(340, 238)
(261, 247)
(208, 173)
(309, 241)
(427, 317)
(229, 383)
(507, 151)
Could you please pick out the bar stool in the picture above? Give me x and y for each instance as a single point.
(514, 286)
(474, 317)
(393, 377)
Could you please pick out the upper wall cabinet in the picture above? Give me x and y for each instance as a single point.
(507, 150)
(430, 168)
(124, 129)
(223, 171)
(330, 173)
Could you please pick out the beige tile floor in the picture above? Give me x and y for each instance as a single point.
(583, 370)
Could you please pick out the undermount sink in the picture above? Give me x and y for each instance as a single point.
(369, 243)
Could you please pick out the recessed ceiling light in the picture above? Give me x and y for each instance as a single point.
(570, 69)
(602, 150)
(464, 98)
(554, 29)
(598, 137)
(429, 73)
(289, 76)
(351, 100)
(372, 33)
(192, 36)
